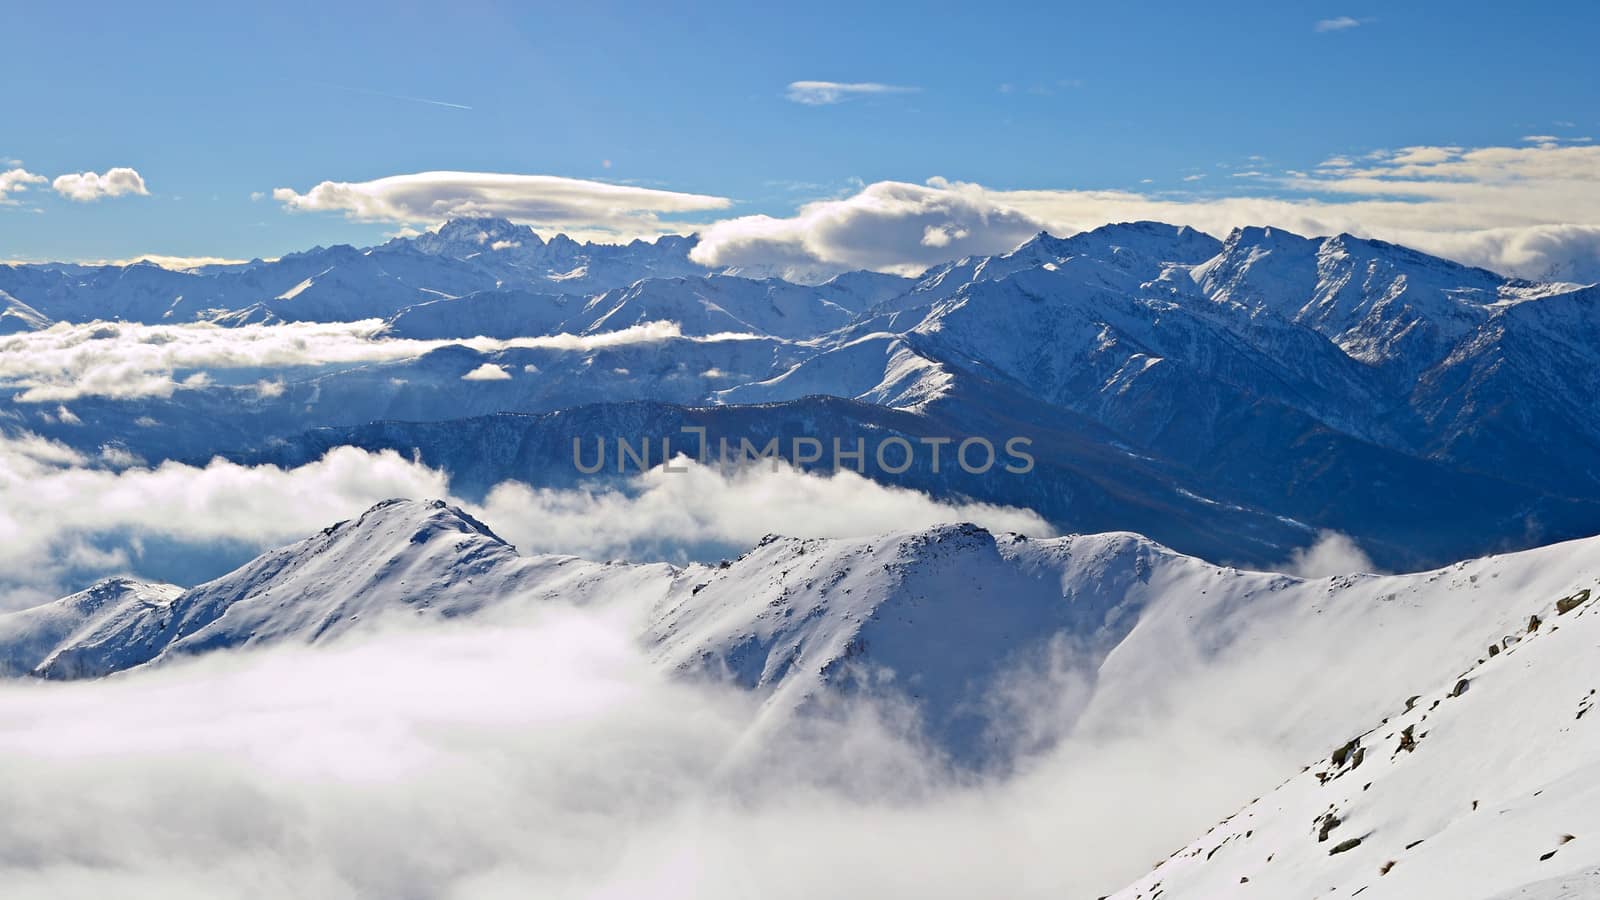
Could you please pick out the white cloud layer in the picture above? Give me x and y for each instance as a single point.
(889, 226)
(546, 201)
(703, 512)
(540, 753)
(86, 187)
(123, 360)
(16, 181)
(64, 521)
(1530, 211)
(825, 93)
(547, 758)
(175, 263)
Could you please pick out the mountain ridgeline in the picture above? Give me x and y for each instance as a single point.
(1231, 398)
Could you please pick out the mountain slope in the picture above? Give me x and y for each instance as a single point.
(1484, 786)
(945, 610)
(109, 608)
(16, 316)
(344, 283)
(1430, 410)
(400, 557)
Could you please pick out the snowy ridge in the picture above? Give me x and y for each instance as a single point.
(17, 316)
(1470, 683)
(111, 608)
(402, 556)
(1484, 786)
(944, 610)
(1275, 374)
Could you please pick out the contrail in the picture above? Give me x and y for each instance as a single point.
(375, 93)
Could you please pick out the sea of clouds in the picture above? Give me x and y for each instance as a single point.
(544, 755)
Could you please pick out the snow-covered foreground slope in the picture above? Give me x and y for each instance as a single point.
(1486, 784)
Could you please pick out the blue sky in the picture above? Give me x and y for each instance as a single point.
(212, 105)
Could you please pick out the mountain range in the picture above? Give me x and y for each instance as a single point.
(1197, 410)
(1231, 398)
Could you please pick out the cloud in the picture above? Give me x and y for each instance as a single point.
(568, 204)
(890, 226)
(598, 775)
(1528, 211)
(487, 372)
(826, 93)
(586, 771)
(16, 181)
(703, 512)
(65, 519)
(175, 263)
(1554, 139)
(87, 187)
(122, 360)
(62, 520)
(1331, 554)
(537, 713)
(657, 785)
(1339, 23)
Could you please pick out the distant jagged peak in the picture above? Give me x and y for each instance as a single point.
(1255, 241)
(1167, 242)
(1295, 267)
(962, 539)
(1142, 247)
(1266, 237)
(1158, 240)
(468, 235)
(473, 234)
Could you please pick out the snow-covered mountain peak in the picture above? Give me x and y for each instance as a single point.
(117, 587)
(31, 637)
(1150, 241)
(947, 610)
(1265, 238)
(426, 518)
(464, 237)
(1042, 246)
(421, 556)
